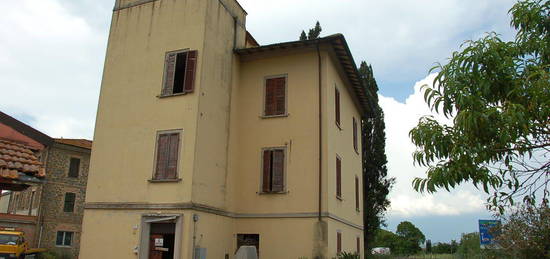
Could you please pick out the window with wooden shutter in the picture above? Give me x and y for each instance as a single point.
(355, 144)
(69, 202)
(167, 156)
(179, 72)
(337, 106)
(358, 241)
(273, 171)
(275, 96)
(338, 177)
(357, 193)
(338, 243)
(74, 167)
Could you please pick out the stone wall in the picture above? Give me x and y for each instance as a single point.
(52, 216)
(49, 199)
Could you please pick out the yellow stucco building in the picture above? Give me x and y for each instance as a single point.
(205, 141)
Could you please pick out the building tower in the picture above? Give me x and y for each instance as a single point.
(205, 141)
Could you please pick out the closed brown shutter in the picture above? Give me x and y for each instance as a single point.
(338, 177)
(169, 74)
(278, 171)
(354, 134)
(162, 156)
(356, 193)
(358, 239)
(337, 105)
(266, 177)
(275, 96)
(280, 98)
(172, 163)
(190, 71)
(338, 242)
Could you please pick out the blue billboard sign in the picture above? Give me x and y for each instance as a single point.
(486, 231)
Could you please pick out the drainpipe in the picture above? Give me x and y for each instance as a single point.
(320, 136)
(195, 219)
(39, 212)
(235, 32)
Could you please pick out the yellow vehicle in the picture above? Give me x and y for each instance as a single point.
(14, 245)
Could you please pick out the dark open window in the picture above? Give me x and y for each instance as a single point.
(338, 177)
(74, 167)
(64, 238)
(167, 156)
(248, 240)
(179, 72)
(355, 145)
(69, 202)
(273, 170)
(275, 96)
(337, 106)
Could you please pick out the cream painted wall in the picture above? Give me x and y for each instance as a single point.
(223, 134)
(115, 231)
(297, 133)
(130, 113)
(210, 172)
(281, 238)
(340, 142)
(349, 235)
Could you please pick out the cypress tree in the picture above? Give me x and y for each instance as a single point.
(313, 33)
(376, 184)
(303, 36)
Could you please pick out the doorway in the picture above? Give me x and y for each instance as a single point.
(161, 236)
(249, 240)
(162, 240)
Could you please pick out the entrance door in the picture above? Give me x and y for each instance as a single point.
(161, 241)
(153, 242)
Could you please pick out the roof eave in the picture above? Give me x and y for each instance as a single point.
(342, 51)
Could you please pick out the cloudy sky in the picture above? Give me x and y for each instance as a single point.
(52, 53)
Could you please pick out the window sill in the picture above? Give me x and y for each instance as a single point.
(274, 116)
(172, 95)
(164, 180)
(60, 246)
(271, 193)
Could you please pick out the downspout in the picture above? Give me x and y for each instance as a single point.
(195, 219)
(235, 32)
(320, 137)
(40, 203)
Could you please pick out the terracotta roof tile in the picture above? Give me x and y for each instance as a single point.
(83, 143)
(16, 159)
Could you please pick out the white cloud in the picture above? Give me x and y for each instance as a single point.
(400, 118)
(50, 66)
(402, 39)
(52, 51)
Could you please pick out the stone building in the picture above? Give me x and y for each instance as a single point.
(52, 211)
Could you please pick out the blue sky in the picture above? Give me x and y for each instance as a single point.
(52, 53)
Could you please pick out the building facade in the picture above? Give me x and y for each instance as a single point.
(50, 213)
(206, 141)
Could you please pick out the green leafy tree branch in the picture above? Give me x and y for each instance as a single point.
(498, 94)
